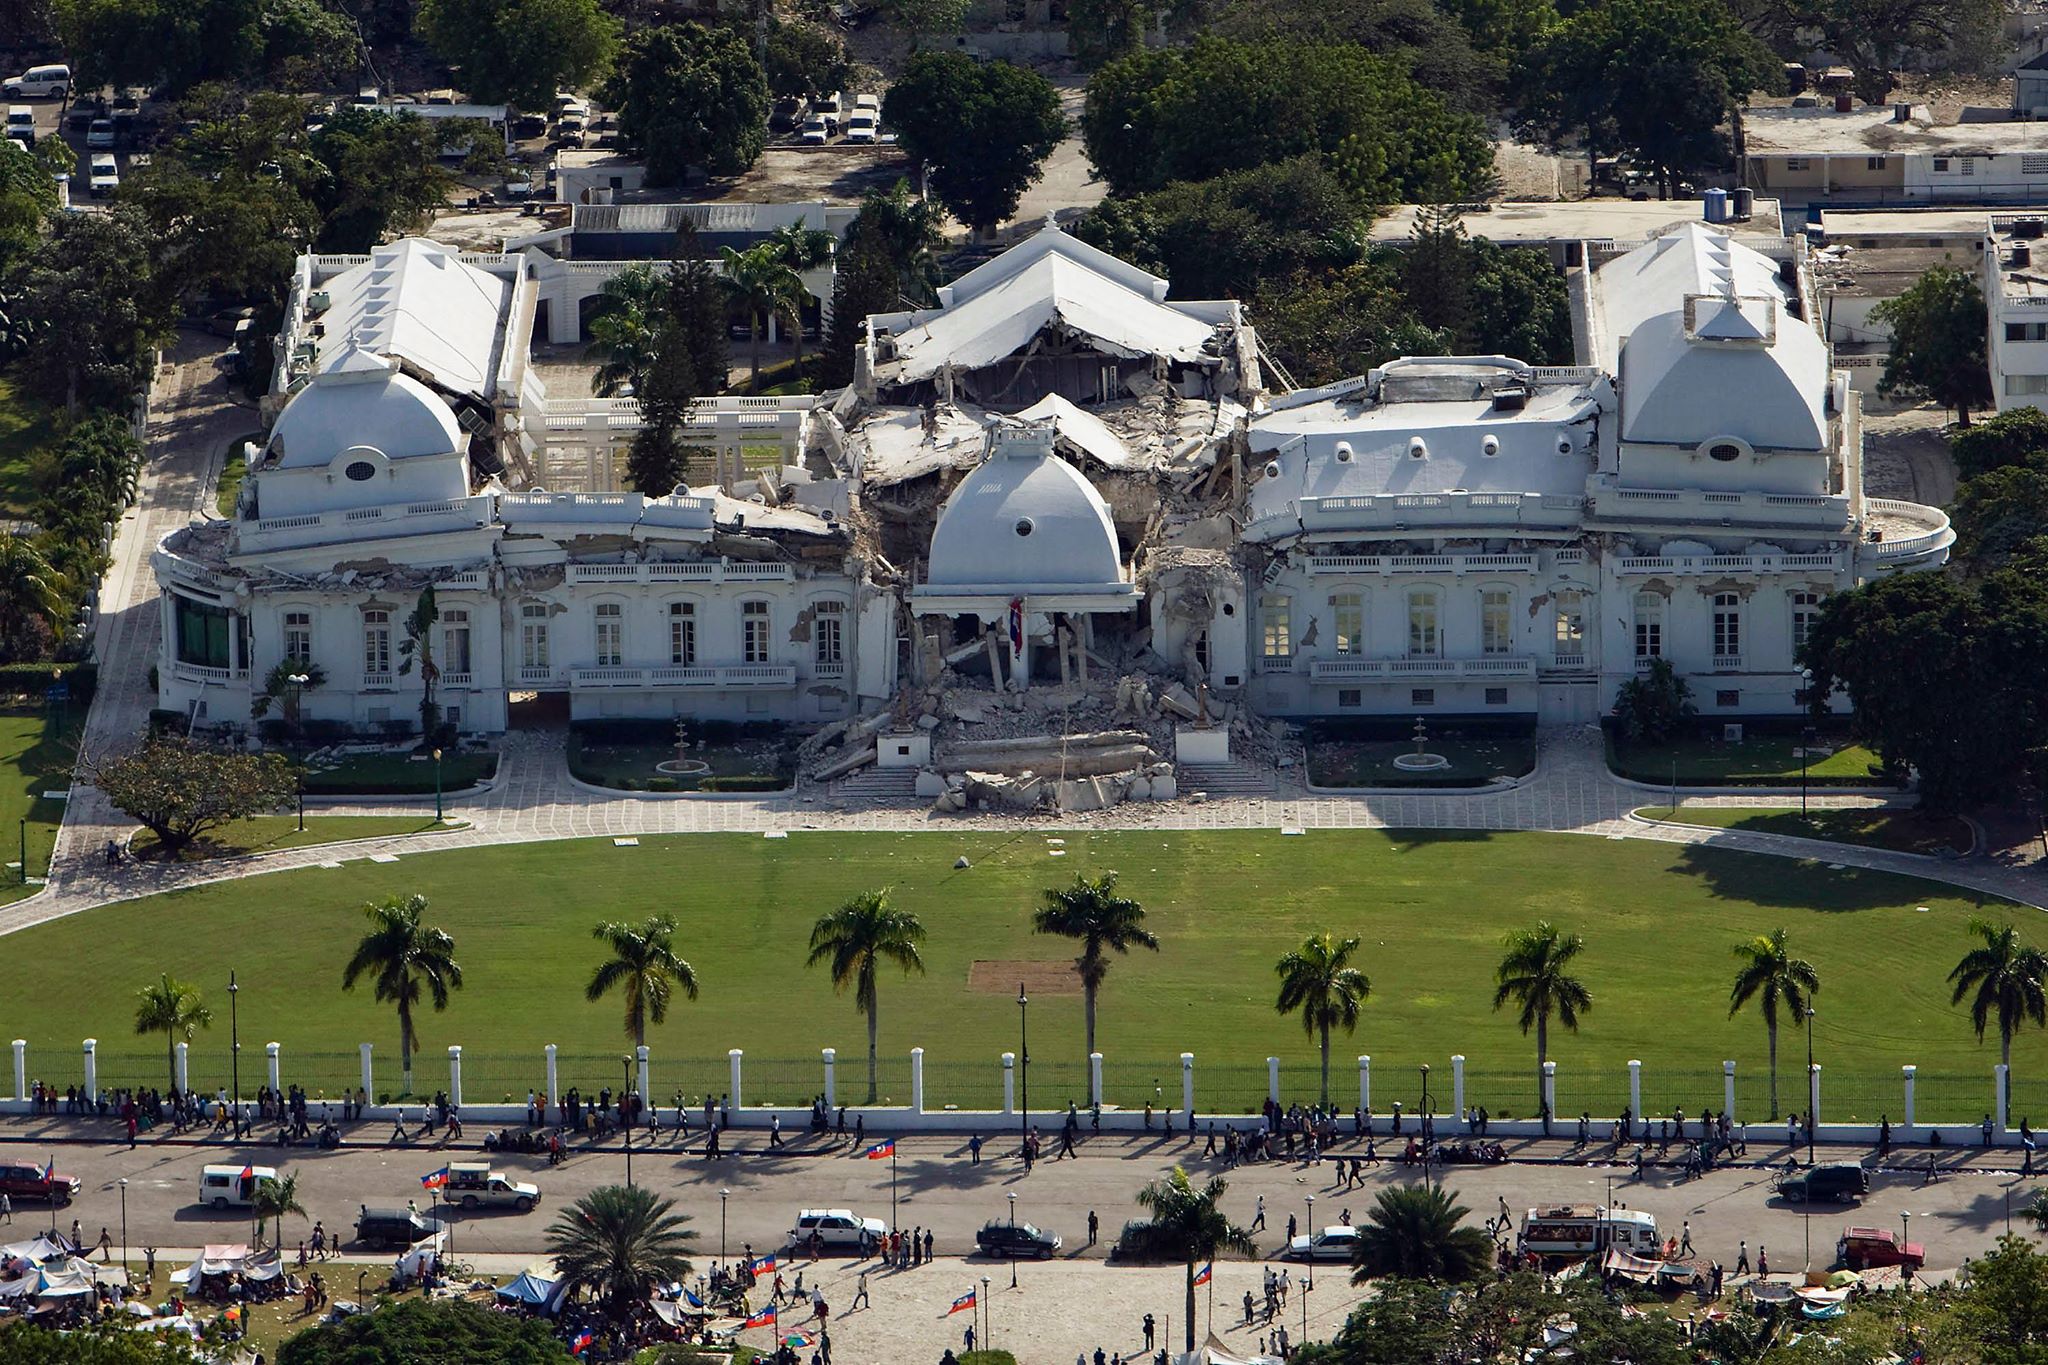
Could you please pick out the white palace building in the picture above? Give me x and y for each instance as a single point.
(1059, 467)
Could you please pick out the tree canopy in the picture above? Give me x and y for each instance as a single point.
(1937, 349)
(446, 1331)
(174, 45)
(688, 96)
(179, 790)
(984, 127)
(520, 52)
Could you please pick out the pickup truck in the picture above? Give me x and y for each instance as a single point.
(22, 1180)
(473, 1184)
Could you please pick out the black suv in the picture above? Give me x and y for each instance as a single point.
(395, 1227)
(1840, 1181)
(1015, 1239)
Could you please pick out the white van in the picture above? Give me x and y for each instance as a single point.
(232, 1187)
(21, 124)
(40, 83)
(1580, 1229)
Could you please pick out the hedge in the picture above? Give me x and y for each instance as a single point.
(30, 681)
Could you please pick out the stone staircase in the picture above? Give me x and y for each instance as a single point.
(1227, 779)
(896, 786)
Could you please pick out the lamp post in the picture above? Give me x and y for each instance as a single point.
(1310, 1228)
(989, 1324)
(1905, 1222)
(297, 682)
(1426, 1123)
(235, 1053)
(1013, 1250)
(1812, 1087)
(722, 1196)
(1807, 736)
(437, 800)
(124, 1222)
(1024, 1055)
(625, 1103)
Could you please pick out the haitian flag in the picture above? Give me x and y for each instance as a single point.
(581, 1343)
(965, 1301)
(434, 1180)
(882, 1151)
(764, 1318)
(1202, 1275)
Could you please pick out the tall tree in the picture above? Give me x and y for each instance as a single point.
(1937, 348)
(2002, 514)
(406, 961)
(2017, 436)
(2006, 978)
(1536, 975)
(381, 172)
(1771, 976)
(804, 58)
(1093, 914)
(1318, 979)
(621, 1243)
(623, 327)
(1188, 1224)
(1436, 270)
(1876, 37)
(688, 96)
(418, 648)
(275, 1198)
(684, 359)
(761, 285)
(644, 968)
(1416, 1232)
(173, 45)
(176, 1010)
(985, 128)
(179, 790)
(520, 52)
(802, 249)
(34, 597)
(93, 283)
(28, 197)
(854, 941)
(1099, 31)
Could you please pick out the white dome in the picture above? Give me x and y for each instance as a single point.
(1024, 519)
(356, 404)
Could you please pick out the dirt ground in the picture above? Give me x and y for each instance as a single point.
(1906, 456)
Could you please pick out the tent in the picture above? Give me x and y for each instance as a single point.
(36, 1252)
(1214, 1352)
(532, 1291)
(229, 1259)
(420, 1255)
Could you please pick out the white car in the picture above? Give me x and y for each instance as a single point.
(862, 127)
(1333, 1243)
(21, 124)
(106, 175)
(101, 134)
(837, 1228)
(817, 130)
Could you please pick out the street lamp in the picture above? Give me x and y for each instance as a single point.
(625, 1101)
(1024, 1052)
(235, 1058)
(124, 1222)
(1812, 1087)
(722, 1196)
(1013, 1250)
(989, 1324)
(1426, 1123)
(1311, 1230)
(437, 800)
(297, 682)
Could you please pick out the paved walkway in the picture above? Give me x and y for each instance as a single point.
(1570, 791)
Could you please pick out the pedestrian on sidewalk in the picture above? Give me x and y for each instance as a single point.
(860, 1293)
(775, 1130)
(7, 1210)
(106, 1245)
(1685, 1238)
(1742, 1258)
(974, 1150)
(2027, 1146)
(1093, 1226)
(1258, 1215)
(1987, 1130)
(1763, 1262)
(1149, 1329)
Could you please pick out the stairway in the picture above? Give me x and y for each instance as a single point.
(1227, 779)
(896, 786)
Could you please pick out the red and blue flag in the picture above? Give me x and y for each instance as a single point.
(1202, 1275)
(764, 1318)
(762, 1265)
(961, 1304)
(582, 1342)
(882, 1151)
(434, 1180)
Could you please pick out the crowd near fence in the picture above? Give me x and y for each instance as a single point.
(920, 1090)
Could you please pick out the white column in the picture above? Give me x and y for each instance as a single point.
(270, 1062)
(733, 1056)
(1458, 1082)
(1273, 1078)
(1908, 1072)
(1365, 1082)
(554, 1091)
(1095, 1078)
(1187, 1087)
(2000, 1086)
(917, 1080)
(1813, 1098)
(21, 1068)
(1549, 1089)
(181, 1066)
(369, 1094)
(1635, 1093)
(1009, 1082)
(455, 1074)
(831, 1082)
(92, 1067)
(1728, 1090)
(640, 1056)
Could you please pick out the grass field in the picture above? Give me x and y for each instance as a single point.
(230, 486)
(1907, 831)
(36, 754)
(1758, 761)
(397, 774)
(1659, 921)
(270, 833)
(27, 429)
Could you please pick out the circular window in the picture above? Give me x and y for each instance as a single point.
(1023, 526)
(1229, 609)
(1723, 451)
(362, 471)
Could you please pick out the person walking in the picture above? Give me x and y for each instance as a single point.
(1763, 1262)
(7, 1209)
(1685, 1238)
(2026, 1146)
(775, 1130)
(1093, 1226)
(1742, 1258)
(974, 1150)
(1149, 1328)
(1258, 1215)
(860, 1293)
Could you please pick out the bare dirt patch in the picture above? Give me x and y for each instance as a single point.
(993, 977)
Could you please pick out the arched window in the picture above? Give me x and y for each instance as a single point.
(1276, 627)
(298, 636)
(533, 635)
(1496, 621)
(1649, 625)
(377, 646)
(610, 631)
(754, 632)
(1727, 626)
(1349, 610)
(1425, 624)
(682, 634)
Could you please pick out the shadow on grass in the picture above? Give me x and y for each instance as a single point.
(1809, 884)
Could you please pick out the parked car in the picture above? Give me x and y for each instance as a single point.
(40, 83)
(473, 1184)
(24, 1180)
(105, 175)
(787, 114)
(862, 127)
(817, 130)
(1863, 1248)
(1839, 1181)
(1015, 1239)
(839, 1229)
(229, 1186)
(531, 125)
(21, 124)
(394, 1227)
(100, 135)
(1333, 1243)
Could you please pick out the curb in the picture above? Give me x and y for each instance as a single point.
(1793, 839)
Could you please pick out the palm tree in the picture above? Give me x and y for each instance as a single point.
(404, 955)
(1092, 912)
(1415, 1232)
(1534, 975)
(645, 966)
(623, 328)
(1318, 979)
(621, 1242)
(2007, 976)
(1188, 1225)
(801, 249)
(274, 1198)
(855, 939)
(759, 282)
(1771, 975)
(30, 587)
(174, 1009)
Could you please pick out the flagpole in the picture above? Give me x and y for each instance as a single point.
(1212, 1299)
(893, 1224)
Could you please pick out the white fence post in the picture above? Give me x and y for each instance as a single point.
(2001, 1082)
(640, 1055)
(369, 1091)
(455, 1074)
(92, 1069)
(1728, 1091)
(21, 1068)
(1365, 1083)
(272, 1066)
(554, 1091)
(1273, 1078)
(1009, 1082)
(1458, 1083)
(1813, 1099)
(181, 1067)
(1549, 1094)
(1095, 1079)
(831, 1055)
(1909, 1073)
(917, 1080)
(733, 1056)
(1635, 1096)
(1187, 1088)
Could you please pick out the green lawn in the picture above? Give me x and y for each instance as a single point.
(27, 429)
(230, 485)
(397, 774)
(1908, 831)
(36, 754)
(1659, 921)
(1758, 761)
(269, 833)
(1370, 763)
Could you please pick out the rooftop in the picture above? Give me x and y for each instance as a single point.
(1533, 224)
(416, 301)
(1902, 225)
(1882, 272)
(1024, 518)
(1778, 130)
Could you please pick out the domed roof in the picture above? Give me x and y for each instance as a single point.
(362, 400)
(1024, 519)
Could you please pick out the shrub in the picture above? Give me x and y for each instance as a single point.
(744, 782)
(31, 680)
(1651, 707)
(661, 784)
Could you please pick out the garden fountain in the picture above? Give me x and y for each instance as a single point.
(680, 766)
(1421, 761)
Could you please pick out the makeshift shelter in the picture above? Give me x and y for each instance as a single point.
(532, 1291)
(229, 1259)
(1214, 1352)
(420, 1256)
